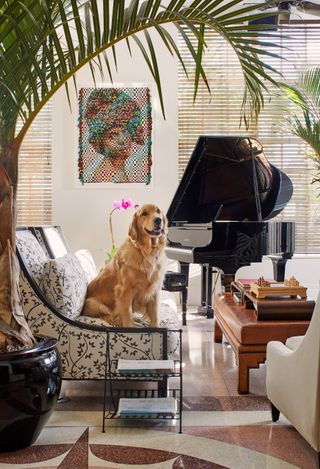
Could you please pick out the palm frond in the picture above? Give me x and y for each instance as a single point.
(43, 44)
(306, 93)
(303, 111)
(310, 83)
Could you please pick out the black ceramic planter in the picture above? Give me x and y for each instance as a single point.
(30, 382)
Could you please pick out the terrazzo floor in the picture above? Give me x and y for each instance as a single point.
(220, 428)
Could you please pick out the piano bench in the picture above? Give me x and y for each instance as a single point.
(247, 336)
(177, 282)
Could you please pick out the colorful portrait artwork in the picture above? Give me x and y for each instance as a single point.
(115, 135)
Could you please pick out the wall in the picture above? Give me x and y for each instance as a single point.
(83, 211)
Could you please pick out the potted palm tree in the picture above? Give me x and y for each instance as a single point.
(42, 45)
(304, 113)
(30, 377)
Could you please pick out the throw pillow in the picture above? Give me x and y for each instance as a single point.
(87, 263)
(65, 284)
(32, 253)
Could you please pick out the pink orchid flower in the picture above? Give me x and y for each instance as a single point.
(117, 205)
(123, 205)
(126, 203)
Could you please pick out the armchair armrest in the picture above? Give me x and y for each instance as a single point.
(294, 342)
(277, 350)
(288, 371)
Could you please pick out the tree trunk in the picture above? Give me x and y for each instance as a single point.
(13, 326)
(9, 161)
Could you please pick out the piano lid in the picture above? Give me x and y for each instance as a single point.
(219, 183)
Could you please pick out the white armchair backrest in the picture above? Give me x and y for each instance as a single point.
(311, 340)
(57, 245)
(309, 357)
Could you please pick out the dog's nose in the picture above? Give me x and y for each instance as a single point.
(157, 221)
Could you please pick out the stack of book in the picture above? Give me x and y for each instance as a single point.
(144, 367)
(150, 407)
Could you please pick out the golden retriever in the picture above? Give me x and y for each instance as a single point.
(131, 281)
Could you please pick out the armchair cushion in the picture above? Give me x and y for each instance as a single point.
(64, 283)
(34, 256)
(87, 263)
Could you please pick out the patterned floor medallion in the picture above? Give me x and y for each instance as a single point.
(161, 447)
(220, 428)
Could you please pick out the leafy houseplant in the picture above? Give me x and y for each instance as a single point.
(304, 116)
(44, 43)
(30, 377)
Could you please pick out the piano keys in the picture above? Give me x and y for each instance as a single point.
(219, 216)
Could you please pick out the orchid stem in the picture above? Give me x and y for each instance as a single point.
(111, 230)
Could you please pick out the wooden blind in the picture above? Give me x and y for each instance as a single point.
(34, 197)
(219, 115)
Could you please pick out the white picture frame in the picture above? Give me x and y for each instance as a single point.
(119, 185)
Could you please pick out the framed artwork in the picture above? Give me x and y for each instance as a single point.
(115, 135)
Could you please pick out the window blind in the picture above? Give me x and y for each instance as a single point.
(220, 114)
(34, 196)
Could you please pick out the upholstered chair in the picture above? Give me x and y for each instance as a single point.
(293, 381)
(52, 288)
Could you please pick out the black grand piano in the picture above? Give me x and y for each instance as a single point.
(219, 216)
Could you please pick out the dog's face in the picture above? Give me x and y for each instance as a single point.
(148, 220)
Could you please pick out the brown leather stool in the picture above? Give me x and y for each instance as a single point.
(175, 281)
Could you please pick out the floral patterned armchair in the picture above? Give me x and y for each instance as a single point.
(54, 310)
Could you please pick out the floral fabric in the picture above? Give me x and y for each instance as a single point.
(33, 255)
(64, 283)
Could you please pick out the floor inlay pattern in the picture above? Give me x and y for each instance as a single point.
(66, 444)
(220, 428)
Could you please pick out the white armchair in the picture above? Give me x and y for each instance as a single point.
(293, 381)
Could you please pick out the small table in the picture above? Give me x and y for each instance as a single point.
(247, 336)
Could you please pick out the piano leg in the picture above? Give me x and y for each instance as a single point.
(184, 296)
(203, 285)
(226, 280)
(209, 292)
(184, 269)
(279, 267)
(206, 291)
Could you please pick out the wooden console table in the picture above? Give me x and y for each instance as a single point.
(247, 336)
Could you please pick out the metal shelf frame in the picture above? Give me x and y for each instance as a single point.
(112, 376)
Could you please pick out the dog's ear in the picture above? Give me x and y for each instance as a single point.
(165, 224)
(133, 228)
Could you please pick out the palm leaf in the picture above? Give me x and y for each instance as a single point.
(310, 83)
(156, 74)
(194, 54)
(304, 112)
(198, 61)
(106, 18)
(43, 44)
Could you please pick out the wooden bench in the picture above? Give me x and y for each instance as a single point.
(247, 336)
